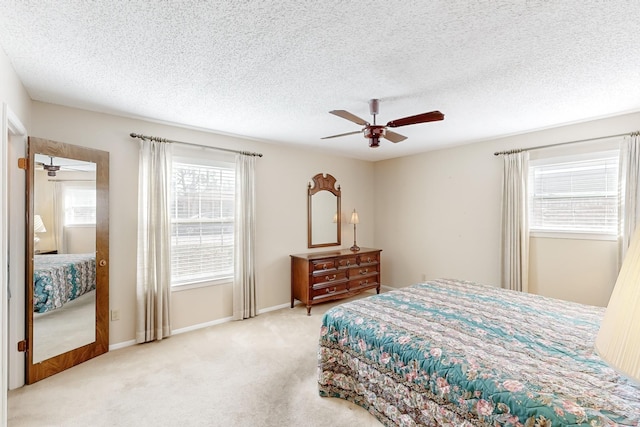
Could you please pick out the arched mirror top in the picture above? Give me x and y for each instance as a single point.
(323, 209)
(324, 182)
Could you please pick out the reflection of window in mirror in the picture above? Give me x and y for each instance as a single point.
(65, 200)
(80, 204)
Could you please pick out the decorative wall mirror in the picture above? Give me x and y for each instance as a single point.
(67, 256)
(323, 212)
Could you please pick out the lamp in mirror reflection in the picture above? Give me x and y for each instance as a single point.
(38, 227)
(618, 341)
(354, 220)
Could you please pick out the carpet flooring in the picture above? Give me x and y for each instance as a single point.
(70, 326)
(258, 372)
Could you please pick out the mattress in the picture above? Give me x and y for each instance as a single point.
(458, 353)
(60, 278)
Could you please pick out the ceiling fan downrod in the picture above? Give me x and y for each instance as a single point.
(373, 108)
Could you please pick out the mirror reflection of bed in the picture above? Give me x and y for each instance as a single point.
(64, 256)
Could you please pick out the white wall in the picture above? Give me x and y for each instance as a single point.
(282, 177)
(438, 215)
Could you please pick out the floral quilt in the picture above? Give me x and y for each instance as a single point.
(60, 278)
(457, 353)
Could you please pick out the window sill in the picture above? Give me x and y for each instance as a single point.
(572, 235)
(201, 284)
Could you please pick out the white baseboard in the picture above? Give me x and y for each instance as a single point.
(120, 345)
(124, 344)
(275, 307)
(201, 325)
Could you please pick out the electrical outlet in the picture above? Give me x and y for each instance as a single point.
(424, 277)
(115, 315)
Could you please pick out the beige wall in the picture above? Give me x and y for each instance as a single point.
(282, 177)
(16, 106)
(438, 215)
(12, 92)
(576, 270)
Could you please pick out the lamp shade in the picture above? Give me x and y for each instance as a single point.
(38, 225)
(618, 341)
(354, 218)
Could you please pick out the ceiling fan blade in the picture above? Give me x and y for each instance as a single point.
(342, 134)
(393, 137)
(351, 117)
(431, 116)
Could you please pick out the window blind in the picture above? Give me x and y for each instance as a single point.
(79, 205)
(202, 217)
(575, 196)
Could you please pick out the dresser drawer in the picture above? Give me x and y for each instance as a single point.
(363, 283)
(363, 271)
(347, 261)
(328, 289)
(328, 277)
(369, 259)
(323, 264)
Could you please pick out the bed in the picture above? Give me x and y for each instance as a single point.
(60, 278)
(457, 353)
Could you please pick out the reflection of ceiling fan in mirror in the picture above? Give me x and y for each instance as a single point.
(373, 132)
(53, 165)
(50, 168)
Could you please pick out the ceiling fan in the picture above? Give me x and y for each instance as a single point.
(62, 164)
(373, 132)
(50, 168)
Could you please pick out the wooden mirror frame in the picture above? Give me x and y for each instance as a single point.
(58, 363)
(322, 182)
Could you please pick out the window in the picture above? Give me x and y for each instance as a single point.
(202, 221)
(577, 194)
(79, 204)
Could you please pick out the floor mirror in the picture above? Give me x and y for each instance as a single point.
(67, 295)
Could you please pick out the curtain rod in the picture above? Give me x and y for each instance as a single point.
(71, 180)
(158, 139)
(518, 150)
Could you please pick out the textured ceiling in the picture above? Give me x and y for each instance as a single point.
(273, 69)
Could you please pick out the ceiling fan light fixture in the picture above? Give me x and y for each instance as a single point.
(373, 131)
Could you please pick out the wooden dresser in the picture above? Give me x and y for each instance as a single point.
(325, 276)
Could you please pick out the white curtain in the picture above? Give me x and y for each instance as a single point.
(244, 281)
(515, 229)
(153, 287)
(628, 210)
(58, 218)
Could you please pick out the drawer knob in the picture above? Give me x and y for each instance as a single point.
(365, 271)
(329, 279)
(329, 290)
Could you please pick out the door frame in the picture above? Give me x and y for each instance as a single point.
(12, 254)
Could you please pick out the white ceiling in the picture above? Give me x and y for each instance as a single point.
(272, 70)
